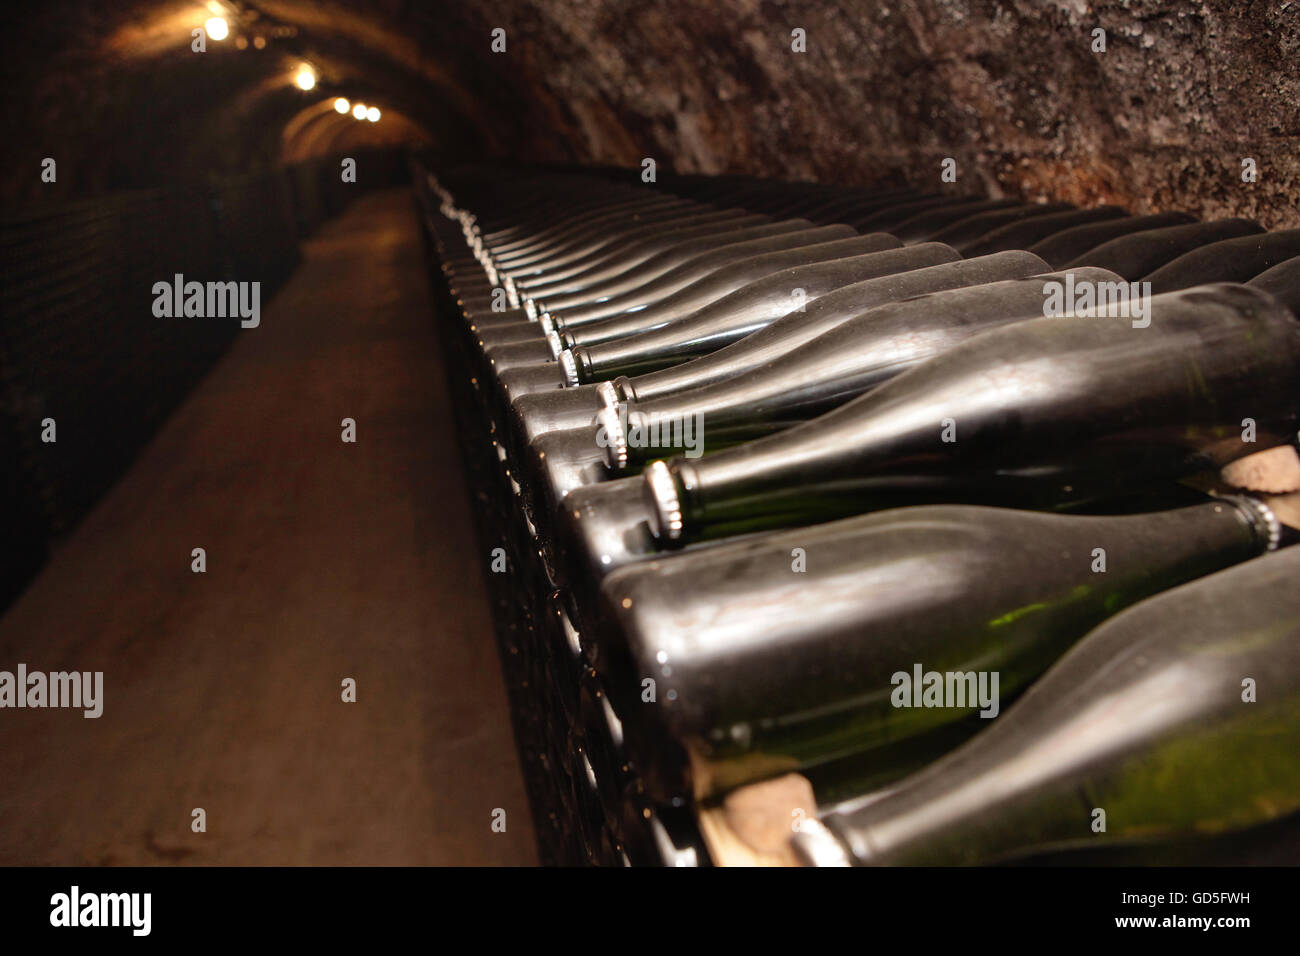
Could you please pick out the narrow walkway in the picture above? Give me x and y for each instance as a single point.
(325, 561)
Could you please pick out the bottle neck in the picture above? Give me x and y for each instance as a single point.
(1263, 521)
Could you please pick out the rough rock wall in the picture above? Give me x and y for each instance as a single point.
(1013, 90)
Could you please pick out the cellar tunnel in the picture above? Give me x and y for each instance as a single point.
(1014, 91)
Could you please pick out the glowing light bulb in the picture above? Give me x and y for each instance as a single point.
(372, 114)
(306, 78)
(342, 106)
(359, 111)
(217, 28)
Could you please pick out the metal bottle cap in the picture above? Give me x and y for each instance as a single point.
(609, 419)
(607, 394)
(665, 507)
(569, 366)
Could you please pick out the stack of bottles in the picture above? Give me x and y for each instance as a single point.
(919, 497)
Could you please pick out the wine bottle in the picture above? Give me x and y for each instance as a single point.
(696, 296)
(667, 251)
(1064, 247)
(961, 233)
(796, 648)
(606, 526)
(604, 227)
(885, 218)
(651, 234)
(554, 464)
(510, 355)
(507, 333)
(579, 231)
(861, 206)
(1141, 253)
(642, 239)
(589, 254)
(917, 269)
(1177, 717)
(818, 376)
(654, 279)
(1232, 260)
(724, 321)
(822, 374)
(546, 378)
(1053, 411)
(768, 272)
(1282, 282)
(585, 244)
(1023, 233)
(636, 250)
(918, 221)
(698, 269)
(793, 330)
(838, 208)
(602, 527)
(530, 233)
(680, 254)
(595, 238)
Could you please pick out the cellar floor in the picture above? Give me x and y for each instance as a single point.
(325, 560)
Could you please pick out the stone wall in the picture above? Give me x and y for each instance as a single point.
(1013, 91)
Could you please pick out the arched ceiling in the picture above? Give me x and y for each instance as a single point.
(1012, 89)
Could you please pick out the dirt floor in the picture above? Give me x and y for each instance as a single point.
(325, 561)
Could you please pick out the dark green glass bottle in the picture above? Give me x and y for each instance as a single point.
(1141, 253)
(791, 331)
(751, 307)
(1065, 247)
(1047, 413)
(1282, 282)
(1232, 260)
(1178, 717)
(816, 246)
(791, 649)
(634, 251)
(1023, 233)
(816, 377)
(912, 271)
(659, 277)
